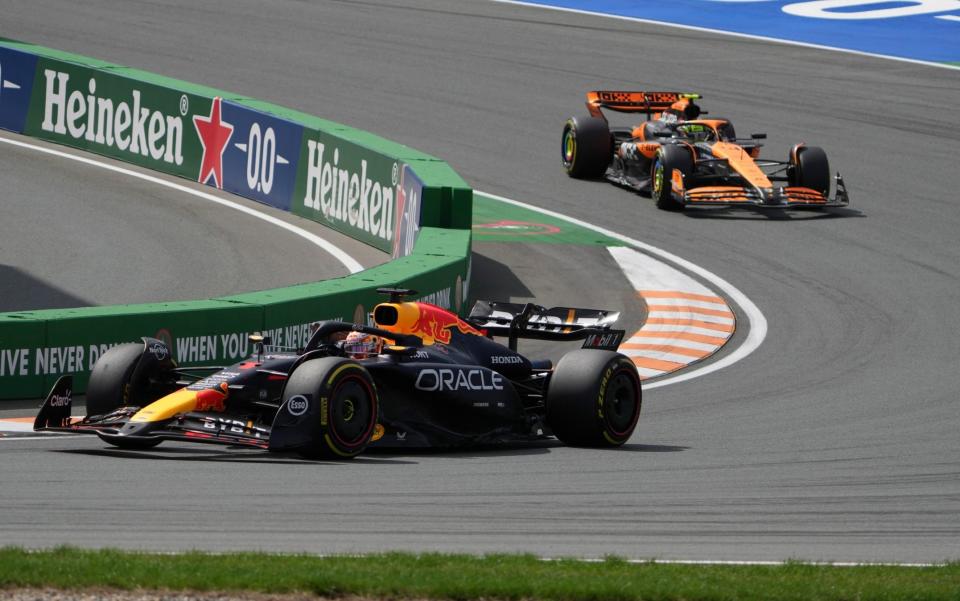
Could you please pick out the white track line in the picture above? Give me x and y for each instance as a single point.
(352, 265)
(757, 323)
(734, 33)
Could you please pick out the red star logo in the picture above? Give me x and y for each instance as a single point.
(214, 135)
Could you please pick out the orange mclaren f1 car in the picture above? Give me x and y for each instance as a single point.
(682, 159)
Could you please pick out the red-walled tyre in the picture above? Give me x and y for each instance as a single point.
(342, 400)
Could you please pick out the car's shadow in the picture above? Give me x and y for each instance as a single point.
(491, 278)
(534, 447)
(245, 456)
(372, 456)
(752, 214)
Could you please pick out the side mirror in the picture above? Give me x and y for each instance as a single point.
(258, 340)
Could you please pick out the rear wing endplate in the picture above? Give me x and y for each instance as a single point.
(516, 320)
(634, 102)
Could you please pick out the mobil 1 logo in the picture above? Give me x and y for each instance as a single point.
(260, 161)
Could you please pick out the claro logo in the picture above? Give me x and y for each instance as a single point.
(439, 380)
(60, 401)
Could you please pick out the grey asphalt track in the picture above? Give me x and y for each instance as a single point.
(836, 440)
(75, 235)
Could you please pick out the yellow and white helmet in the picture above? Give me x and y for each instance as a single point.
(359, 345)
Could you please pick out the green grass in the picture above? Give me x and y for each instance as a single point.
(461, 577)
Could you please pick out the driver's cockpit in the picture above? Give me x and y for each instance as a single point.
(708, 130)
(696, 132)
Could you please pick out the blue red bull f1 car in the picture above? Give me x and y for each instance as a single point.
(419, 376)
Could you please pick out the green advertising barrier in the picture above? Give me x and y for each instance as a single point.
(69, 341)
(347, 188)
(20, 335)
(126, 119)
(37, 347)
(79, 96)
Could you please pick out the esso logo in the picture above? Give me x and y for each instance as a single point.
(297, 405)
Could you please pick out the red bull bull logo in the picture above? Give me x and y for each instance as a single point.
(437, 325)
(212, 400)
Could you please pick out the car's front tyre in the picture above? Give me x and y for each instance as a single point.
(670, 157)
(810, 169)
(341, 399)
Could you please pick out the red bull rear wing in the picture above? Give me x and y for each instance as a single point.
(515, 321)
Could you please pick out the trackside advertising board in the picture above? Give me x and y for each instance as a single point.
(399, 200)
(335, 176)
(16, 84)
(349, 189)
(260, 157)
(130, 120)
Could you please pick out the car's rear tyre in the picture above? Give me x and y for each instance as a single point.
(810, 169)
(593, 399)
(669, 157)
(346, 406)
(586, 147)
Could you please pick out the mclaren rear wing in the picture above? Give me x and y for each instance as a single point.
(515, 321)
(634, 102)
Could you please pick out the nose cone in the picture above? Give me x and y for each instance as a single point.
(180, 401)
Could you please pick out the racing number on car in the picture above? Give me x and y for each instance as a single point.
(261, 158)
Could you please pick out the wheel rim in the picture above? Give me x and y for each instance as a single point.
(620, 403)
(657, 177)
(569, 147)
(351, 410)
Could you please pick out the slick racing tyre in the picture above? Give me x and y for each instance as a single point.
(587, 147)
(341, 398)
(593, 399)
(810, 169)
(669, 157)
(135, 373)
(109, 385)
